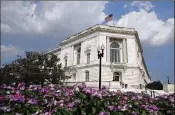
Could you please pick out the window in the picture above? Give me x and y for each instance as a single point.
(65, 63)
(78, 55)
(116, 76)
(115, 53)
(87, 75)
(74, 76)
(88, 58)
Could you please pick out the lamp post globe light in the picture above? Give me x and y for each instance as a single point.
(100, 55)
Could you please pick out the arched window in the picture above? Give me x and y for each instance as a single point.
(87, 75)
(114, 52)
(78, 55)
(116, 76)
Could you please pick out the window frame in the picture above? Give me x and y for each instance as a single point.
(78, 55)
(74, 75)
(88, 58)
(86, 76)
(65, 63)
(115, 53)
(116, 74)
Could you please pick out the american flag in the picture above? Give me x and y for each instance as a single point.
(109, 18)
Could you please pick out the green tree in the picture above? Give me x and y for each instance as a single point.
(34, 68)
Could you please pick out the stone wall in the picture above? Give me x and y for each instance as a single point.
(169, 88)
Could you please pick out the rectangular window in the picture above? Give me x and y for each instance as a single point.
(65, 62)
(78, 58)
(74, 76)
(88, 58)
(87, 75)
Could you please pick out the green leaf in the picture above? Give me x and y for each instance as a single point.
(94, 110)
(143, 112)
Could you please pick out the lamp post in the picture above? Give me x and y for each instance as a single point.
(100, 55)
(168, 80)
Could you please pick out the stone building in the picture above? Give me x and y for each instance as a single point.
(122, 63)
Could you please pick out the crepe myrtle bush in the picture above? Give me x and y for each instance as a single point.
(80, 100)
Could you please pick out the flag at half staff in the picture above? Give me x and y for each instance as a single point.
(109, 18)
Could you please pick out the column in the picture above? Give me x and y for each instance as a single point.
(72, 55)
(125, 58)
(123, 50)
(107, 49)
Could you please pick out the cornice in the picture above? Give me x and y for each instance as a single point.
(120, 66)
(97, 29)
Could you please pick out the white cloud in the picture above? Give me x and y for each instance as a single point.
(59, 19)
(50, 20)
(150, 29)
(147, 5)
(125, 6)
(50, 17)
(10, 51)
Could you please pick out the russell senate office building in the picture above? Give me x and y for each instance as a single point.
(122, 64)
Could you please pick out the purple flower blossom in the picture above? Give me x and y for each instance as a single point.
(154, 107)
(1, 98)
(33, 101)
(119, 108)
(134, 113)
(44, 90)
(74, 103)
(70, 105)
(171, 99)
(81, 86)
(17, 91)
(103, 113)
(69, 98)
(133, 98)
(111, 108)
(99, 95)
(17, 97)
(124, 107)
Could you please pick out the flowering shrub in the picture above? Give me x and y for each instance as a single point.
(80, 100)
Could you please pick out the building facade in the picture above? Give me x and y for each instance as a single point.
(122, 63)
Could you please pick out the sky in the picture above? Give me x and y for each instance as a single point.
(42, 25)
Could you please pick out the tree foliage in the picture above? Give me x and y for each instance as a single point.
(34, 68)
(156, 85)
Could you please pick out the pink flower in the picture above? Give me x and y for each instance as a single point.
(1, 98)
(103, 113)
(118, 92)
(45, 90)
(61, 104)
(17, 97)
(125, 98)
(111, 108)
(134, 113)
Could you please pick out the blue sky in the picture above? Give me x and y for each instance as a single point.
(43, 25)
(159, 59)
